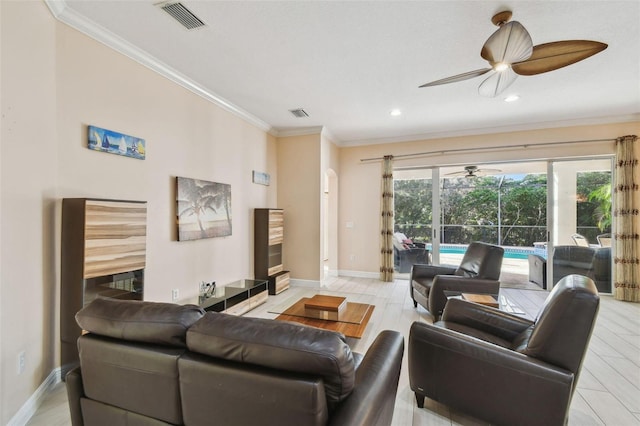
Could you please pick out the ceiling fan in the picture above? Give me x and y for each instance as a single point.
(473, 172)
(510, 52)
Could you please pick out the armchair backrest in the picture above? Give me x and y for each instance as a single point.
(481, 260)
(563, 328)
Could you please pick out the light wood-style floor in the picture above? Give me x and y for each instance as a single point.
(608, 390)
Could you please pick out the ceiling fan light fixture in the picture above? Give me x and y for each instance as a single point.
(510, 52)
(395, 113)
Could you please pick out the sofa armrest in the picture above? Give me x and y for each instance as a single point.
(75, 391)
(373, 398)
(442, 283)
(485, 318)
(486, 380)
(423, 270)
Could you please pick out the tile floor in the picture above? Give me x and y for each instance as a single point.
(608, 390)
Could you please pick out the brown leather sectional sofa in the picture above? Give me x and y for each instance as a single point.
(145, 363)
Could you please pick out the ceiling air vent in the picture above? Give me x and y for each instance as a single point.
(183, 15)
(300, 113)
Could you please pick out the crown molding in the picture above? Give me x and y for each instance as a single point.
(63, 13)
(300, 131)
(502, 129)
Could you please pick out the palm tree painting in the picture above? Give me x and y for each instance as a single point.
(203, 209)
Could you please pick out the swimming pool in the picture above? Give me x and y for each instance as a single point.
(509, 252)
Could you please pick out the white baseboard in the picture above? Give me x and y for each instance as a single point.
(30, 407)
(305, 283)
(358, 274)
(333, 273)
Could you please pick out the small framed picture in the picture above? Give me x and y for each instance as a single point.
(261, 178)
(115, 143)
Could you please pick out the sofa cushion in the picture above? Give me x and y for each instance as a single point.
(137, 377)
(279, 345)
(150, 322)
(422, 285)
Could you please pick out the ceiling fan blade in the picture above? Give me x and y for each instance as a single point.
(497, 82)
(461, 173)
(459, 77)
(488, 171)
(551, 56)
(510, 43)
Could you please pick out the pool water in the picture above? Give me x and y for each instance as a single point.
(509, 252)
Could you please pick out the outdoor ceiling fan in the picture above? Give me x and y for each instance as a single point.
(510, 52)
(473, 172)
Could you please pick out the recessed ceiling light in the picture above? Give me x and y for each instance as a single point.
(395, 113)
(511, 98)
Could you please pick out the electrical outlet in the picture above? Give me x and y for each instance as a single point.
(175, 294)
(21, 362)
(352, 257)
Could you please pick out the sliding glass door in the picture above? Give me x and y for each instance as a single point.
(580, 223)
(528, 208)
(413, 216)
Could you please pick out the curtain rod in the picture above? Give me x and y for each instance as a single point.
(488, 148)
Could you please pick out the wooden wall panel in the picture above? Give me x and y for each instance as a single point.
(276, 227)
(115, 237)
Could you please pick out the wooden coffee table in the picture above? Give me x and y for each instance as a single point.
(330, 313)
(494, 300)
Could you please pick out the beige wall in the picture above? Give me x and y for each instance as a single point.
(29, 186)
(299, 194)
(303, 162)
(55, 82)
(359, 197)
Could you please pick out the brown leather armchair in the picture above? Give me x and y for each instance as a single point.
(501, 368)
(478, 272)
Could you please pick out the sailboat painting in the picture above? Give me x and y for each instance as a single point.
(116, 143)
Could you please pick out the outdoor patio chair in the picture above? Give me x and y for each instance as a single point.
(478, 272)
(580, 240)
(537, 269)
(592, 262)
(406, 253)
(604, 240)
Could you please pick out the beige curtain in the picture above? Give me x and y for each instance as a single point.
(627, 218)
(386, 220)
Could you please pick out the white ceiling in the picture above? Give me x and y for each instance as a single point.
(349, 63)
